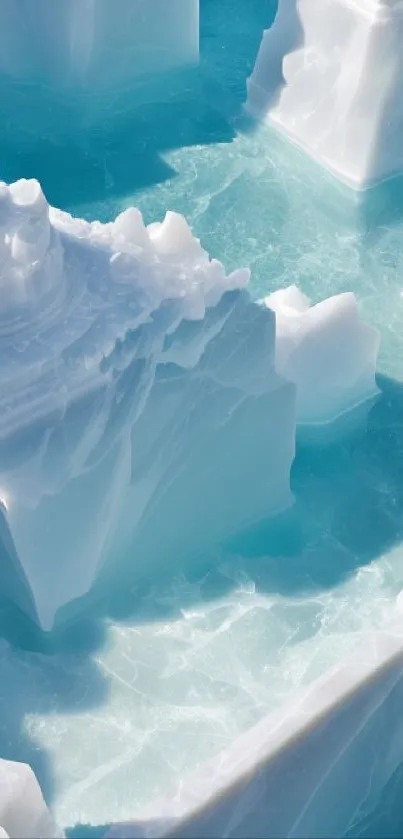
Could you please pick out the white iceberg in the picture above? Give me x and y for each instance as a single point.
(327, 351)
(141, 414)
(328, 75)
(23, 812)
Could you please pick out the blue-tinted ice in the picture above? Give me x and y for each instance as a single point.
(166, 672)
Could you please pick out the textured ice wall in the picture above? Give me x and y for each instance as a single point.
(140, 406)
(23, 812)
(141, 414)
(328, 74)
(94, 44)
(326, 350)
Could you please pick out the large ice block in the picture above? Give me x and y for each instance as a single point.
(23, 812)
(328, 74)
(327, 351)
(95, 44)
(141, 415)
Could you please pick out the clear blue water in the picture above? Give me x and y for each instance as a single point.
(194, 659)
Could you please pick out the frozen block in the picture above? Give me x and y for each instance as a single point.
(327, 351)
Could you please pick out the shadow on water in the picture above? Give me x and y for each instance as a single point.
(199, 107)
(348, 512)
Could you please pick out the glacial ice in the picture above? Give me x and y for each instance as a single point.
(137, 379)
(23, 812)
(328, 75)
(309, 339)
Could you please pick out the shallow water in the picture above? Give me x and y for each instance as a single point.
(157, 680)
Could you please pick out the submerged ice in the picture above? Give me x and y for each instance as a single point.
(326, 350)
(147, 410)
(87, 44)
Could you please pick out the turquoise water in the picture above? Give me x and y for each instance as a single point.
(193, 659)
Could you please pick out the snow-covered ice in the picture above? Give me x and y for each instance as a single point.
(142, 416)
(23, 812)
(328, 75)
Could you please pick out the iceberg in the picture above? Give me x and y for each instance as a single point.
(148, 411)
(308, 341)
(23, 812)
(141, 412)
(91, 45)
(328, 76)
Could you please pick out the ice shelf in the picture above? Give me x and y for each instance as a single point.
(328, 75)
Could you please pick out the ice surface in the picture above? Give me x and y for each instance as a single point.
(325, 349)
(23, 812)
(137, 379)
(328, 75)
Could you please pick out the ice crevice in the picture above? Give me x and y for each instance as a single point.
(148, 403)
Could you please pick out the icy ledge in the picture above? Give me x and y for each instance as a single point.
(328, 75)
(141, 412)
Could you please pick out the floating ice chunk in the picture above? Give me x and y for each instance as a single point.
(147, 408)
(326, 350)
(140, 412)
(23, 812)
(328, 75)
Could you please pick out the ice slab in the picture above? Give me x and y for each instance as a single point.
(137, 379)
(23, 812)
(92, 45)
(328, 75)
(326, 350)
